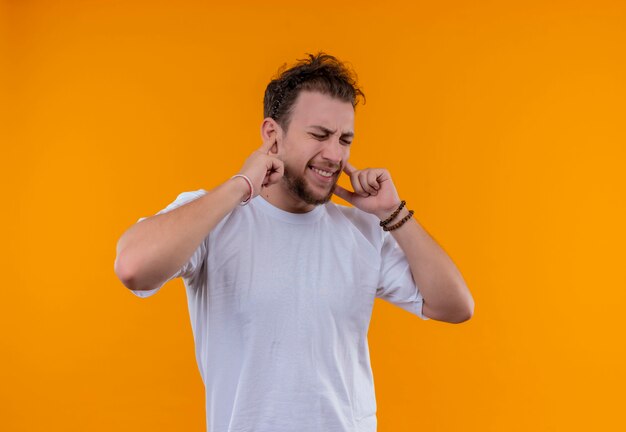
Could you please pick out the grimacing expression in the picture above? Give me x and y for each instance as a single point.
(316, 146)
(298, 186)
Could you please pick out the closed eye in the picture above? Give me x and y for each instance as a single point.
(323, 137)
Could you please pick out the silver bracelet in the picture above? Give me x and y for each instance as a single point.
(243, 203)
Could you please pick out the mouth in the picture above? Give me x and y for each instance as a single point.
(324, 173)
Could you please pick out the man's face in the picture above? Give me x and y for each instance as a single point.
(316, 146)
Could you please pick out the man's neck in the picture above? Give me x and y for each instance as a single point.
(279, 196)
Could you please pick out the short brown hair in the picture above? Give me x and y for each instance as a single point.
(321, 72)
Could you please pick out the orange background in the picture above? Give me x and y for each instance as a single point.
(502, 124)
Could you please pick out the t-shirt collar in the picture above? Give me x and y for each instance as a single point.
(296, 218)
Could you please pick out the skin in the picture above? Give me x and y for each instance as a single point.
(304, 145)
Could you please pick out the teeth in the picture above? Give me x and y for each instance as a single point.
(322, 173)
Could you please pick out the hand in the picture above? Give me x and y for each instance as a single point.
(262, 168)
(374, 192)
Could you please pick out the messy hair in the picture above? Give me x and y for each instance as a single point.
(321, 72)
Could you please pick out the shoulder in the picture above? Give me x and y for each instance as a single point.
(184, 198)
(366, 224)
(353, 214)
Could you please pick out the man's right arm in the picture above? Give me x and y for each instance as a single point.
(152, 250)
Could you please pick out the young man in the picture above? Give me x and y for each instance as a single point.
(281, 288)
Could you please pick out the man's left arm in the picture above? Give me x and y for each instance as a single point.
(445, 294)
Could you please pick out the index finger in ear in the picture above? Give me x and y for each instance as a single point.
(349, 169)
(344, 193)
(267, 145)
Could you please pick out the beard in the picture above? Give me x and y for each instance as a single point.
(297, 185)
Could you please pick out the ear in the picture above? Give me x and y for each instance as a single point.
(271, 131)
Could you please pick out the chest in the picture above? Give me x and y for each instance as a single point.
(292, 273)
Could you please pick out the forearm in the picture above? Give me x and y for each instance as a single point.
(152, 250)
(446, 296)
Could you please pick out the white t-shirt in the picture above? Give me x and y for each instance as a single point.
(280, 304)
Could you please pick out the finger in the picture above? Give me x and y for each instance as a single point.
(273, 163)
(275, 171)
(349, 169)
(344, 194)
(372, 179)
(267, 145)
(272, 178)
(356, 185)
(363, 180)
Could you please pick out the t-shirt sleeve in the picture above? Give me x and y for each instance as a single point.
(396, 280)
(192, 266)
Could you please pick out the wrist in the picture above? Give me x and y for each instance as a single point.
(242, 188)
(403, 216)
(385, 214)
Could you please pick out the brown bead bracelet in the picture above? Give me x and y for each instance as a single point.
(399, 224)
(394, 214)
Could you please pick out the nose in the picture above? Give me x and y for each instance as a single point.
(333, 151)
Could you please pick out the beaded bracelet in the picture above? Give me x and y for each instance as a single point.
(399, 224)
(394, 214)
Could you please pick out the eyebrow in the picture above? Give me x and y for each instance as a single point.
(328, 131)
